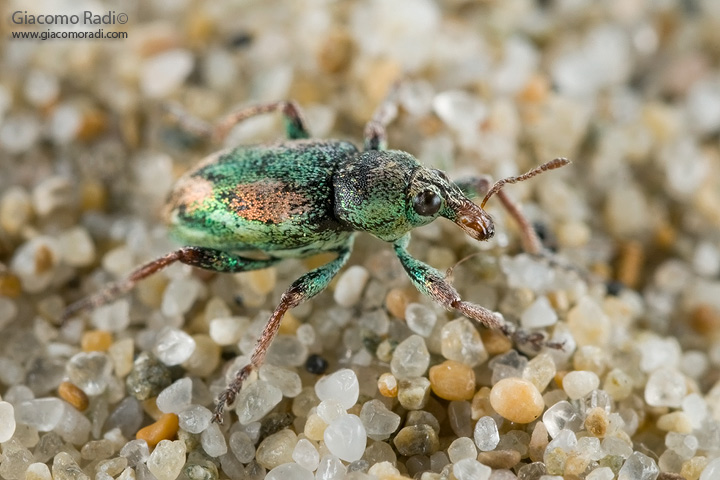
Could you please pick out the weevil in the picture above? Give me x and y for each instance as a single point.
(299, 197)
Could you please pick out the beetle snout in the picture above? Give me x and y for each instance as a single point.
(475, 221)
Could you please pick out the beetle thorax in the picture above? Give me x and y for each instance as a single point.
(371, 193)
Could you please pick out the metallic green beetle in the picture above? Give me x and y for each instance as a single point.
(300, 197)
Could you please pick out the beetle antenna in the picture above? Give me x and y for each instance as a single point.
(551, 165)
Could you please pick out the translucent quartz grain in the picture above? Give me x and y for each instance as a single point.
(486, 434)
(195, 418)
(173, 346)
(175, 397)
(665, 387)
(379, 422)
(289, 471)
(420, 319)
(471, 469)
(461, 448)
(638, 467)
(579, 383)
(256, 400)
(410, 359)
(346, 438)
(539, 314)
(306, 454)
(167, 460)
(561, 416)
(7, 421)
(276, 449)
(350, 285)
(342, 386)
(461, 342)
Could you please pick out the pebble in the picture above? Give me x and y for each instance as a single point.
(486, 434)
(228, 331)
(461, 342)
(7, 421)
(64, 467)
(460, 448)
(165, 428)
(176, 397)
(34, 262)
(72, 394)
(205, 358)
(471, 469)
(38, 471)
(306, 455)
(163, 73)
(500, 459)
(330, 468)
(167, 460)
(15, 209)
(179, 296)
(414, 393)
(148, 377)
(289, 471)
(597, 422)
(397, 301)
(588, 323)
(452, 380)
(539, 314)
(173, 346)
(540, 370)
(517, 400)
(420, 319)
(114, 317)
(342, 386)
(256, 400)
(96, 341)
(675, 422)
(638, 467)
(78, 249)
(388, 385)
(578, 383)
(416, 440)
(410, 358)
(89, 371)
(379, 422)
(665, 388)
(213, 441)
(286, 380)
(350, 285)
(346, 438)
(315, 427)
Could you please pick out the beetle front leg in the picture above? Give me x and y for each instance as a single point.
(432, 283)
(205, 258)
(477, 187)
(304, 288)
(295, 125)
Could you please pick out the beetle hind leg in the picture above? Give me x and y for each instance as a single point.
(304, 288)
(295, 124)
(205, 258)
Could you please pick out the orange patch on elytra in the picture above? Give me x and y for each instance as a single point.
(190, 193)
(266, 201)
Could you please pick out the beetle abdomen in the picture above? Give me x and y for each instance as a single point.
(266, 197)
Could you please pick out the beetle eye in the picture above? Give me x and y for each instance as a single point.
(427, 203)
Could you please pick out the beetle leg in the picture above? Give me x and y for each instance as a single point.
(431, 282)
(205, 258)
(304, 288)
(375, 136)
(295, 125)
(477, 187)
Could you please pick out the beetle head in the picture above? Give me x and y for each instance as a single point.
(388, 193)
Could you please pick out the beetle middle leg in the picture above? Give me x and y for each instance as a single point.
(375, 136)
(205, 258)
(432, 282)
(302, 289)
(295, 125)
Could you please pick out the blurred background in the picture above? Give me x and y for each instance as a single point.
(629, 90)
